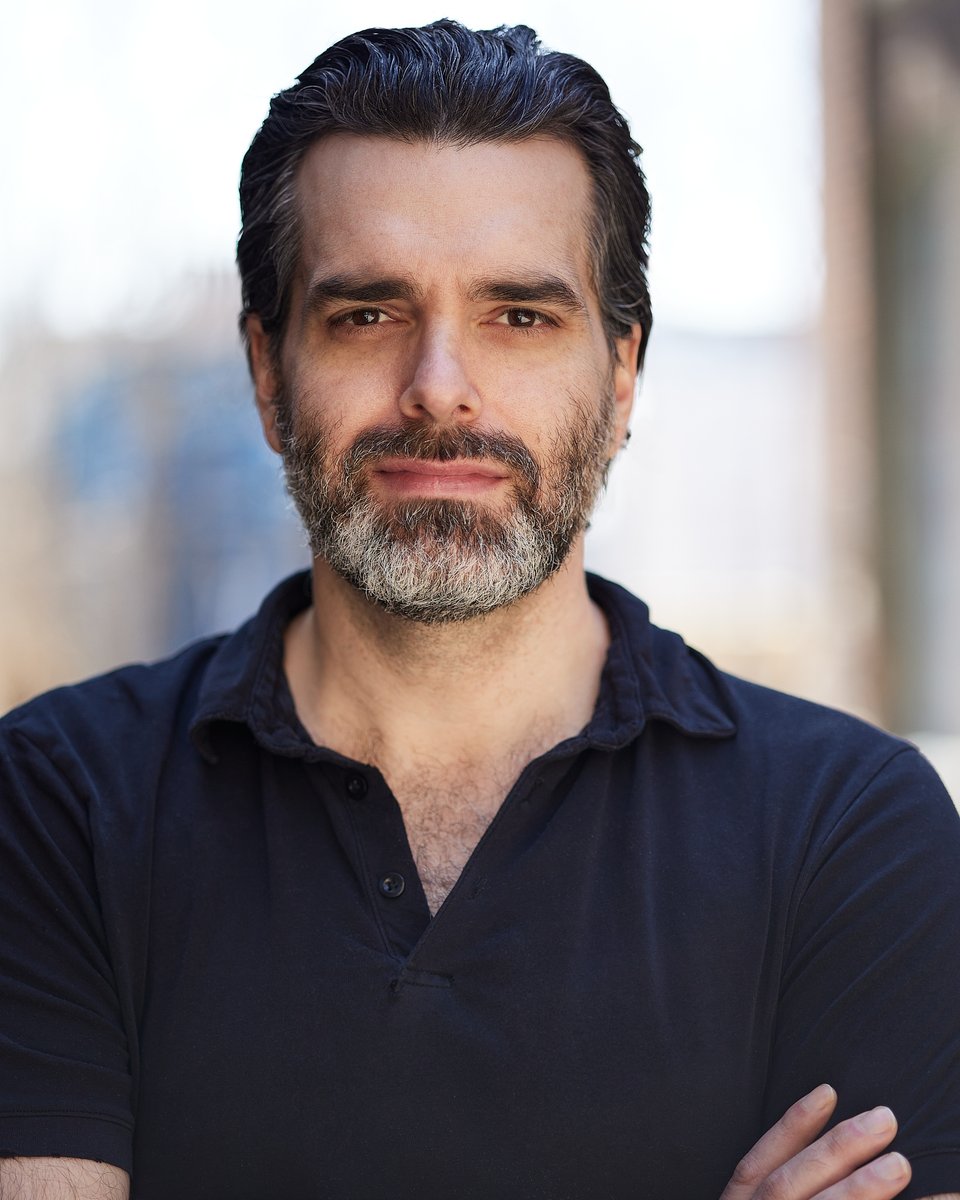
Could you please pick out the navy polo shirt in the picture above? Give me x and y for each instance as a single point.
(218, 969)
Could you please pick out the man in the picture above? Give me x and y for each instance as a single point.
(449, 875)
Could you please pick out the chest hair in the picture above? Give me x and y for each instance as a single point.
(446, 813)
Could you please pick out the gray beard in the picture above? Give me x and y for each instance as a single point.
(438, 561)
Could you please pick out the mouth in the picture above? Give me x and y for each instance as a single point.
(431, 477)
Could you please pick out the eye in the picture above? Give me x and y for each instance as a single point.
(522, 318)
(360, 317)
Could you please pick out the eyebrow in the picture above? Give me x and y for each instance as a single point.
(529, 289)
(362, 288)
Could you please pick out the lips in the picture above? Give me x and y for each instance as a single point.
(435, 477)
(459, 468)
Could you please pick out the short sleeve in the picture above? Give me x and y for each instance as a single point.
(870, 998)
(65, 1086)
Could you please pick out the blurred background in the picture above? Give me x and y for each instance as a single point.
(790, 499)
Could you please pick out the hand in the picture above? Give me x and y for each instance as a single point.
(788, 1164)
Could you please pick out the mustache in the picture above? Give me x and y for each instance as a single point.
(440, 445)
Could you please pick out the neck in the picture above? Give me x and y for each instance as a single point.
(381, 688)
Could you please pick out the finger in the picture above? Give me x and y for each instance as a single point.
(831, 1158)
(795, 1130)
(882, 1179)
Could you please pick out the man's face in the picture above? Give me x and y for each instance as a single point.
(446, 400)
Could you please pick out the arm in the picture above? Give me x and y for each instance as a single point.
(61, 1179)
(865, 1000)
(65, 1063)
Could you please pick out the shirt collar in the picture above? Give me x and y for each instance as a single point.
(650, 675)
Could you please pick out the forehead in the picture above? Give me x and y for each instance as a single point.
(445, 213)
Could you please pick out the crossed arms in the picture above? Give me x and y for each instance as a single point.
(790, 1162)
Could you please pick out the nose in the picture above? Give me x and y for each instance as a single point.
(440, 386)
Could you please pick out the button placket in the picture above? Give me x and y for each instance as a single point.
(381, 848)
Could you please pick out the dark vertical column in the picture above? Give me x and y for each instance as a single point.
(917, 249)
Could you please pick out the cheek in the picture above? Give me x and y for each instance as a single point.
(528, 397)
(340, 399)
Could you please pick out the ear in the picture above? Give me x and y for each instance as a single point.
(266, 381)
(626, 349)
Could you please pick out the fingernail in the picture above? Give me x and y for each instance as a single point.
(819, 1098)
(877, 1120)
(891, 1166)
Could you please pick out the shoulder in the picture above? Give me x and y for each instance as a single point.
(832, 779)
(133, 693)
(107, 724)
(681, 687)
(114, 742)
(798, 738)
(792, 730)
(740, 747)
(666, 681)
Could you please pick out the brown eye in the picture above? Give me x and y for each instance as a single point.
(522, 318)
(365, 316)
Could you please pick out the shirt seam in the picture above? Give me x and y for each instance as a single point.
(814, 852)
(45, 755)
(19, 1113)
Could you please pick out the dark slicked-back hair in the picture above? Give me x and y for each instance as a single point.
(445, 83)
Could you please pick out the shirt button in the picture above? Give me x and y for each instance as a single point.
(392, 885)
(356, 786)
